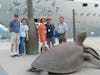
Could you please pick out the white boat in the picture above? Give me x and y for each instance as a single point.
(4, 34)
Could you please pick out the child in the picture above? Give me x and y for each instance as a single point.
(23, 36)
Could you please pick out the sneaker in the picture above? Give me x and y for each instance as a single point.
(22, 54)
(16, 54)
(12, 55)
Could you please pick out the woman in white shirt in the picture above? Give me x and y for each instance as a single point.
(23, 36)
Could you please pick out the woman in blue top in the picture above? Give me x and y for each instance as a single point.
(23, 36)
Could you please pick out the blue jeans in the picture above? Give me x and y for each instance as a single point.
(21, 45)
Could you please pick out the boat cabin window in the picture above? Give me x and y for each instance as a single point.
(85, 4)
(96, 5)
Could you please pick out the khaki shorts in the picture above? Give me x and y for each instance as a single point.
(15, 38)
(51, 40)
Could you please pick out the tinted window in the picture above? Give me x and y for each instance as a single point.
(96, 5)
(85, 4)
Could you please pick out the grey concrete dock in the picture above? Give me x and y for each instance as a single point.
(19, 65)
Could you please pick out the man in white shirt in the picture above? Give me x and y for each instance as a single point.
(62, 30)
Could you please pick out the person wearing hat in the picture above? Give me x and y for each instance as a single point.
(14, 28)
(50, 29)
(42, 33)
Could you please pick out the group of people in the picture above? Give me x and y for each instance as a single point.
(46, 29)
(19, 34)
(47, 32)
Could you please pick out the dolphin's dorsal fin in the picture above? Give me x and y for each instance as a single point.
(80, 38)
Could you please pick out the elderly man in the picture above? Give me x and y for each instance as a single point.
(62, 30)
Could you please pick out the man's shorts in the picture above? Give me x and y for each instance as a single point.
(51, 40)
(15, 38)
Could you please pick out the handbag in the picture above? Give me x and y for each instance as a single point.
(56, 34)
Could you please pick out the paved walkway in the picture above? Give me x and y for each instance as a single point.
(19, 65)
(2, 71)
